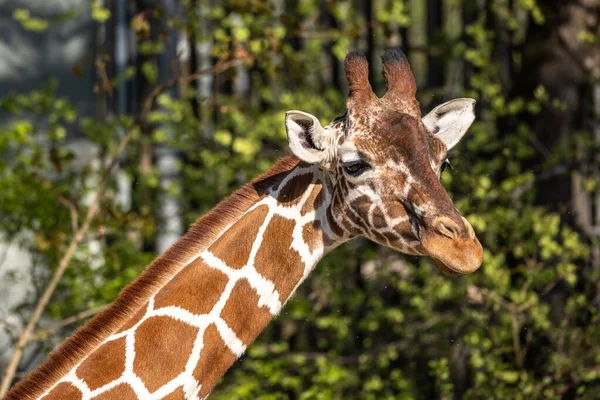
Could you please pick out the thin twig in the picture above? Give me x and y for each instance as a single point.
(106, 85)
(516, 330)
(72, 209)
(161, 88)
(548, 288)
(43, 333)
(4, 253)
(319, 35)
(12, 326)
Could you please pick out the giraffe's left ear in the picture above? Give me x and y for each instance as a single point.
(308, 140)
(451, 120)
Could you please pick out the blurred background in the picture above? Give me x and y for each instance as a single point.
(122, 122)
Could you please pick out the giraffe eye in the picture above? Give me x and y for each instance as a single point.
(355, 168)
(446, 164)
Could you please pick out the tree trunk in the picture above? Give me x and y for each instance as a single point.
(555, 58)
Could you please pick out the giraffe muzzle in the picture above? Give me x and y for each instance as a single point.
(455, 248)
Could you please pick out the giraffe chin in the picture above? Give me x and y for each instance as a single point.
(446, 270)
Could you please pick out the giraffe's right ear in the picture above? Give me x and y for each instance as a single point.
(308, 140)
(449, 121)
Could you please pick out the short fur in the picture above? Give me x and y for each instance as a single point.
(200, 235)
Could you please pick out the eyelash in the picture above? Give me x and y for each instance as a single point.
(355, 168)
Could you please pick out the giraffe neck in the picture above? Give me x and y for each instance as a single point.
(194, 327)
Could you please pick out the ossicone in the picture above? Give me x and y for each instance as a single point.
(399, 78)
(357, 73)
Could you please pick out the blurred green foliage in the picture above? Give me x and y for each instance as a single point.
(368, 323)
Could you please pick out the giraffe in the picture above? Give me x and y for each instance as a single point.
(373, 172)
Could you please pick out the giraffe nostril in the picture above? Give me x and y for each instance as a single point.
(470, 231)
(447, 227)
(450, 229)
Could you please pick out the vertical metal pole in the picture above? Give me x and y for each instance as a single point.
(453, 23)
(121, 41)
(167, 159)
(417, 36)
(203, 48)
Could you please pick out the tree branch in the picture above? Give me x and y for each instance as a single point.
(43, 333)
(26, 334)
(72, 209)
(4, 253)
(64, 262)
(7, 324)
(161, 88)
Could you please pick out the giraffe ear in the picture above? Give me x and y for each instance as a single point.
(307, 138)
(451, 120)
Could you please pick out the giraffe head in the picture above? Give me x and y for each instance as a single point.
(385, 162)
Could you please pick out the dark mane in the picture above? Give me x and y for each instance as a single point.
(200, 235)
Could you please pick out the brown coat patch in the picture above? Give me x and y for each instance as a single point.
(312, 234)
(162, 346)
(399, 179)
(319, 200)
(362, 206)
(242, 313)
(119, 392)
(404, 228)
(293, 190)
(352, 229)
(333, 225)
(327, 241)
(359, 213)
(380, 238)
(178, 394)
(394, 211)
(315, 199)
(392, 237)
(276, 261)
(63, 391)
(235, 253)
(215, 359)
(378, 218)
(197, 288)
(104, 365)
(134, 320)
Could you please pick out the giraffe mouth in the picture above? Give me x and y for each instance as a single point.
(453, 256)
(456, 260)
(446, 269)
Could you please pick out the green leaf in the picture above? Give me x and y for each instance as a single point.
(99, 13)
(150, 71)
